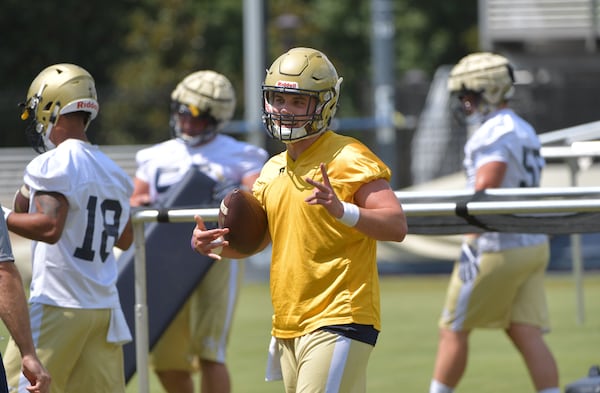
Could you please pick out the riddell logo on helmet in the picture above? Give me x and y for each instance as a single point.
(293, 85)
(87, 105)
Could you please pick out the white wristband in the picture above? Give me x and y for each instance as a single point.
(6, 211)
(351, 214)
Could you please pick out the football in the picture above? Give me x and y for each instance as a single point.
(246, 219)
(21, 200)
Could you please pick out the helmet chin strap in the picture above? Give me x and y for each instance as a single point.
(288, 135)
(485, 108)
(474, 121)
(197, 140)
(479, 116)
(291, 135)
(46, 138)
(191, 140)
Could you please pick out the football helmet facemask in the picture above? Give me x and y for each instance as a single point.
(206, 101)
(57, 90)
(307, 72)
(487, 76)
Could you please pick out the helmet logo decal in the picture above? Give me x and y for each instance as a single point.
(87, 105)
(289, 84)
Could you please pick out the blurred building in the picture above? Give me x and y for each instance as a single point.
(554, 47)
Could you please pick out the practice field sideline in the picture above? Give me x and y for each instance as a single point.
(403, 358)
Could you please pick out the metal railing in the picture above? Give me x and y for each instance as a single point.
(412, 208)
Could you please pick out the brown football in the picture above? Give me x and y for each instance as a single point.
(246, 219)
(21, 200)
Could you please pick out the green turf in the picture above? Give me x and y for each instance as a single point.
(404, 355)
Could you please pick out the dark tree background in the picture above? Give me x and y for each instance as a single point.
(137, 50)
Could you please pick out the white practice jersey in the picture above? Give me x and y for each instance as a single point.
(224, 159)
(507, 138)
(80, 270)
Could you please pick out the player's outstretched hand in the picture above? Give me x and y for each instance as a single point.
(36, 374)
(324, 195)
(208, 242)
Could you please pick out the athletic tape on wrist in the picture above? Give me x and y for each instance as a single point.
(351, 214)
(6, 212)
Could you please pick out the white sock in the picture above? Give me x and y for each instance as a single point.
(438, 387)
(550, 390)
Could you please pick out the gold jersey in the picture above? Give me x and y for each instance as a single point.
(322, 271)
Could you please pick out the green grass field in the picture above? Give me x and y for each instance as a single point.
(404, 355)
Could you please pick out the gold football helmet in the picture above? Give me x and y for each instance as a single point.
(485, 74)
(206, 96)
(307, 72)
(58, 89)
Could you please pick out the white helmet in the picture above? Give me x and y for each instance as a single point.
(307, 72)
(58, 89)
(485, 74)
(202, 94)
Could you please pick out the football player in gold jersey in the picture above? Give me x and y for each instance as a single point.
(328, 200)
